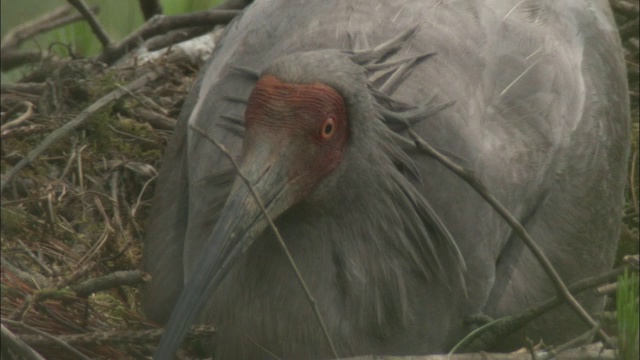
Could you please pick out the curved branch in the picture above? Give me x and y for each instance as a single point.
(468, 176)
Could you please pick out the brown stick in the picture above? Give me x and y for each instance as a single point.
(162, 24)
(58, 17)
(97, 29)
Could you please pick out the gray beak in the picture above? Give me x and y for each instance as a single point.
(241, 221)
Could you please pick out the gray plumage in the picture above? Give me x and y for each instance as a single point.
(398, 251)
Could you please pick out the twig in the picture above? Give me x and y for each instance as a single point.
(116, 204)
(13, 58)
(589, 352)
(135, 206)
(490, 333)
(37, 279)
(29, 88)
(22, 118)
(633, 261)
(50, 212)
(53, 339)
(162, 24)
(632, 180)
(174, 37)
(115, 279)
(59, 17)
(117, 337)
(144, 100)
(607, 289)
(11, 341)
(24, 131)
(97, 29)
(131, 136)
(79, 168)
(72, 157)
(157, 121)
(33, 257)
(312, 300)
(77, 121)
(582, 339)
(468, 176)
(266, 351)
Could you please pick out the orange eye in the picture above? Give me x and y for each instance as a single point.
(327, 129)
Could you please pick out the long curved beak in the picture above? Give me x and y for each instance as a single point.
(241, 221)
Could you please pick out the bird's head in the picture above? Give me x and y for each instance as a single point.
(311, 119)
(297, 132)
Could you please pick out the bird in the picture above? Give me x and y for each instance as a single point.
(314, 101)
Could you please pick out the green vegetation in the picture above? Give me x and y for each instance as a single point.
(627, 316)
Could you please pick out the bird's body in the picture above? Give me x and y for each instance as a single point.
(540, 116)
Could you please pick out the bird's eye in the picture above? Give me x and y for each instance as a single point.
(327, 129)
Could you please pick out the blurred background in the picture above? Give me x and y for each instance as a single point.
(119, 17)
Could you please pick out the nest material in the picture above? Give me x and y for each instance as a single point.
(77, 212)
(73, 218)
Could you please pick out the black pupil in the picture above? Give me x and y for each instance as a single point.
(328, 128)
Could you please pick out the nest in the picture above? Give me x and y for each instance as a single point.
(82, 140)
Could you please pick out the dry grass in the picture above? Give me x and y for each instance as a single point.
(78, 211)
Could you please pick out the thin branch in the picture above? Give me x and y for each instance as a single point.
(97, 29)
(117, 337)
(10, 55)
(33, 257)
(29, 88)
(12, 58)
(115, 279)
(589, 352)
(312, 300)
(157, 121)
(59, 17)
(53, 339)
(11, 341)
(69, 126)
(607, 289)
(34, 278)
(582, 339)
(632, 180)
(175, 37)
(490, 333)
(468, 176)
(162, 24)
(22, 118)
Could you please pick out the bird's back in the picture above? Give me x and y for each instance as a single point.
(540, 115)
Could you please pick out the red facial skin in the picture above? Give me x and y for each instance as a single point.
(310, 119)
